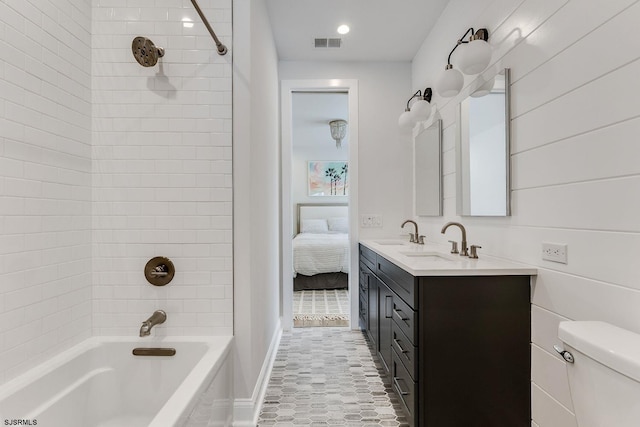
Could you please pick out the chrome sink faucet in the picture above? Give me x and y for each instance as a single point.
(414, 238)
(464, 251)
(158, 317)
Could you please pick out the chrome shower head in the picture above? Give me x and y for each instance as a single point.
(145, 52)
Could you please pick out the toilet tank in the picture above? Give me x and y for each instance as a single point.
(605, 376)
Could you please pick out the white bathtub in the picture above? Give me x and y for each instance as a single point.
(99, 383)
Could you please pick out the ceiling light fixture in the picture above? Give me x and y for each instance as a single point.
(343, 29)
(473, 58)
(419, 112)
(338, 131)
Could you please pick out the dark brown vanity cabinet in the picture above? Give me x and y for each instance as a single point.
(456, 348)
(369, 295)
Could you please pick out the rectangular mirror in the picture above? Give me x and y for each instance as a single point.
(428, 171)
(482, 148)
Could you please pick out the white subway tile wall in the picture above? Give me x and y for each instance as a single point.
(45, 180)
(162, 167)
(105, 164)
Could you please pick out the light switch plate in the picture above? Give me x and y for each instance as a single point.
(371, 221)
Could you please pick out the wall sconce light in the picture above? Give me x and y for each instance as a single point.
(338, 131)
(484, 88)
(420, 111)
(473, 58)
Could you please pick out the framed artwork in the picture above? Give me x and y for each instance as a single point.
(328, 178)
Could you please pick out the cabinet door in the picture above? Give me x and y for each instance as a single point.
(363, 286)
(373, 311)
(484, 325)
(385, 313)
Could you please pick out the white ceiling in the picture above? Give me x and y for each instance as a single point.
(381, 30)
(311, 113)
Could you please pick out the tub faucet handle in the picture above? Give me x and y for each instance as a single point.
(454, 247)
(159, 271)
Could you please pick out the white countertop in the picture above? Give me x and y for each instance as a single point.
(434, 260)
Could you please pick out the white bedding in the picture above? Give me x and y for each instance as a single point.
(320, 253)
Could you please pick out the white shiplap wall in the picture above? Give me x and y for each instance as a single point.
(45, 180)
(575, 168)
(162, 167)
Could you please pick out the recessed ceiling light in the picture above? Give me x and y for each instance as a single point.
(343, 29)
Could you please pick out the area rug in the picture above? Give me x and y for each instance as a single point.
(327, 307)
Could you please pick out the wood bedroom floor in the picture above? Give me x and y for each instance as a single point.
(327, 376)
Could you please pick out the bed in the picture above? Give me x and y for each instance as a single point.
(321, 247)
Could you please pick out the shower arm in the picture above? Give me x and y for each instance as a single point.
(222, 49)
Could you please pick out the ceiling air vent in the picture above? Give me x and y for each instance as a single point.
(327, 42)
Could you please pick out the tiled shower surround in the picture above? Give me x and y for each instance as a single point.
(105, 164)
(162, 167)
(45, 180)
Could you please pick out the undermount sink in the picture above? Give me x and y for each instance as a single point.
(391, 242)
(435, 256)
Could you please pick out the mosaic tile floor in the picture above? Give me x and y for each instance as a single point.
(326, 377)
(326, 307)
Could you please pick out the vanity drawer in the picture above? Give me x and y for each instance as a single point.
(406, 319)
(400, 281)
(363, 284)
(366, 276)
(364, 292)
(406, 351)
(368, 257)
(404, 386)
(364, 314)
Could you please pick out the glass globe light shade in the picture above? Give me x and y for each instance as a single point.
(450, 82)
(474, 57)
(484, 89)
(420, 110)
(405, 121)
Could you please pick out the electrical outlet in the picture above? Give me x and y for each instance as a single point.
(371, 221)
(556, 252)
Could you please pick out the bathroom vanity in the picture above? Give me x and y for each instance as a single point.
(452, 333)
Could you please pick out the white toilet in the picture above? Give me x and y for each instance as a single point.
(605, 374)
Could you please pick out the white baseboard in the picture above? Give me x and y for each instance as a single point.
(247, 411)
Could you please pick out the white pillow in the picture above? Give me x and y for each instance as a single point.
(314, 226)
(338, 225)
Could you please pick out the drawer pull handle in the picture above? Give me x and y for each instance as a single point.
(397, 343)
(396, 382)
(400, 314)
(388, 306)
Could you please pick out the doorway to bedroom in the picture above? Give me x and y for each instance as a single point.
(319, 205)
(320, 197)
